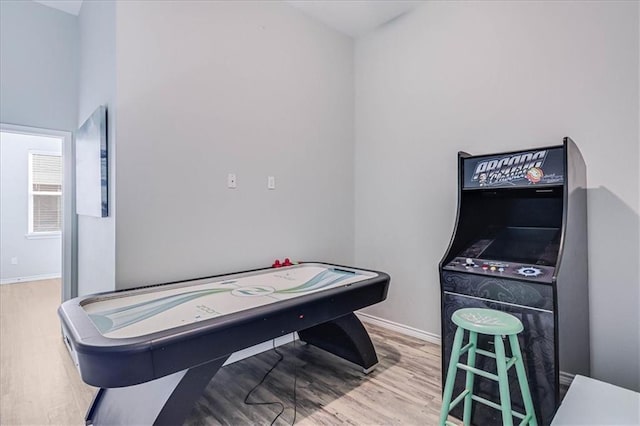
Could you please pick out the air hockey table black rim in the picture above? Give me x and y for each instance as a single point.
(88, 341)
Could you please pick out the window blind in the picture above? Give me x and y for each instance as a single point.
(47, 172)
(47, 192)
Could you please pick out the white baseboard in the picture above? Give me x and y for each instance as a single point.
(31, 278)
(566, 378)
(400, 328)
(261, 347)
(288, 338)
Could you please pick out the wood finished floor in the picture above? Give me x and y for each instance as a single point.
(40, 386)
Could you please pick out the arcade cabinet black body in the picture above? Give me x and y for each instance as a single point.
(520, 246)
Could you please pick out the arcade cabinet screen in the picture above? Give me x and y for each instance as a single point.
(525, 245)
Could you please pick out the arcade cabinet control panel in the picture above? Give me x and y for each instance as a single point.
(527, 253)
(501, 269)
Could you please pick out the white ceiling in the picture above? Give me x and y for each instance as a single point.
(351, 17)
(69, 6)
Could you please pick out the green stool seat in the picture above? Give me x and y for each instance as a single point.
(497, 324)
(487, 321)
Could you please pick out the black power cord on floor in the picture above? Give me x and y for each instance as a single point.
(295, 381)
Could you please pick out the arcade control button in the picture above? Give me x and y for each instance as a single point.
(493, 268)
(469, 261)
(276, 264)
(500, 269)
(529, 271)
(287, 262)
(485, 267)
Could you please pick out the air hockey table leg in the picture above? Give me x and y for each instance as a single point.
(345, 337)
(164, 401)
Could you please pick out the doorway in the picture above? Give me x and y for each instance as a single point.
(38, 220)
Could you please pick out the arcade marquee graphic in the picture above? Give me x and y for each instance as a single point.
(538, 167)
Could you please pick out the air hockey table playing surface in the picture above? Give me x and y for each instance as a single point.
(163, 343)
(151, 310)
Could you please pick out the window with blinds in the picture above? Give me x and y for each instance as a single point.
(45, 190)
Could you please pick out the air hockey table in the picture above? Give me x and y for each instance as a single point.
(153, 350)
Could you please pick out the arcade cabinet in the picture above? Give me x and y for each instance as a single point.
(520, 246)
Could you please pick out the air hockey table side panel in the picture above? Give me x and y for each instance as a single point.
(108, 363)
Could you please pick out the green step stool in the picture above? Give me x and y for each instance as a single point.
(498, 324)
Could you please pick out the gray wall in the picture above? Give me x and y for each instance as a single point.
(37, 258)
(253, 88)
(38, 66)
(486, 77)
(97, 86)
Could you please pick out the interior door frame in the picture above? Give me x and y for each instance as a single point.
(69, 216)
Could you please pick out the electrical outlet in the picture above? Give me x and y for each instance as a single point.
(14, 260)
(271, 182)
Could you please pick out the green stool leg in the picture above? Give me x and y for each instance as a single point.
(451, 375)
(522, 380)
(503, 381)
(471, 362)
